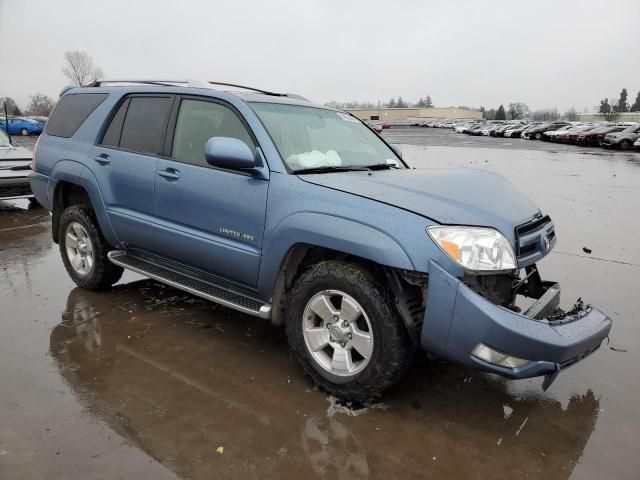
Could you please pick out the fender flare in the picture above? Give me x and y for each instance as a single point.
(331, 232)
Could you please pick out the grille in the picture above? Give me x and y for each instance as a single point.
(534, 239)
(15, 191)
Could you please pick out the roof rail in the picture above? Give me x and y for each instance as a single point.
(172, 83)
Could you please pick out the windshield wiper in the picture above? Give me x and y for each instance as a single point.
(331, 168)
(382, 166)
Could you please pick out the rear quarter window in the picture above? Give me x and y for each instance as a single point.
(71, 112)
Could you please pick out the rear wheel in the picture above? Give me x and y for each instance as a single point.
(84, 250)
(538, 136)
(345, 331)
(625, 145)
(24, 132)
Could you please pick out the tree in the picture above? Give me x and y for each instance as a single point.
(518, 110)
(12, 107)
(400, 103)
(622, 105)
(545, 114)
(609, 113)
(500, 114)
(428, 103)
(79, 68)
(571, 115)
(40, 104)
(391, 103)
(636, 105)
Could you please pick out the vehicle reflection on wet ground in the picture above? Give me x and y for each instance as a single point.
(144, 381)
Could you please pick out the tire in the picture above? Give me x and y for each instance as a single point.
(24, 132)
(625, 145)
(538, 136)
(97, 274)
(390, 349)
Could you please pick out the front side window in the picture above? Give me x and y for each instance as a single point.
(197, 122)
(311, 137)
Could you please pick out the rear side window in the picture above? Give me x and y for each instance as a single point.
(71, 111)
(112, 135)
(145, 124)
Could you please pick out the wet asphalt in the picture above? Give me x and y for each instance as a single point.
(144, 381)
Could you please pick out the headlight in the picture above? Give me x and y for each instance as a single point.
(475, 248)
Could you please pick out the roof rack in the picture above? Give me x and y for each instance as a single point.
(172, 83)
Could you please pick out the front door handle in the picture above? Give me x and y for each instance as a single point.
(103, 159)
(170, 174)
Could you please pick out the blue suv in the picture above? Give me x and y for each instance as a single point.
(300, 214)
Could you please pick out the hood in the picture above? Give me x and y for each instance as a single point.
(447, 196)
(13, 154)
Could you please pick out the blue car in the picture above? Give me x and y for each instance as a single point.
(22, 126)
(300, 214)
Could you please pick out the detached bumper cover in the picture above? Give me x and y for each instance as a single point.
(457, 319)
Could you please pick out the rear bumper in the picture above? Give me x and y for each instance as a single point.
(457, 319)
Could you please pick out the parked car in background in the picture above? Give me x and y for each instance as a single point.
(22, 126)
(623, 140)
(552, 135)
(592, 138)
(15, 167)
(385, 125)
(637, 143)
(38, 118)
(374, 125)
(538, 132)
(515, 131)
(571, 134)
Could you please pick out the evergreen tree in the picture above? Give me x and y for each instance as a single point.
(622, 106)
(501, 114)
(636, 106)
(428, 103)
(391, 103)
(400, 103)
(604, 106)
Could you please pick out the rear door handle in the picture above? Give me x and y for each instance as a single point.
(103, 159)
(170, 174)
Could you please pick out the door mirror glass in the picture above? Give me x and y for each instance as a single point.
(231, 153)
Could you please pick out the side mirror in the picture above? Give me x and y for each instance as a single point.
(231, 153)
(396, 149)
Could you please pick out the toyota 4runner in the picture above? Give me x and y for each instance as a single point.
(298, 213)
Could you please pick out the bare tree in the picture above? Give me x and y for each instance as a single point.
(518, 110)
(571, 115)
(40, 104)
(12, 107)
(79, 68)
(608, 111)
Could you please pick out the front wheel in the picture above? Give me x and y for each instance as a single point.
(24, 132)
(84, 250)
(625, 145)
(538, 136)
(344, 329)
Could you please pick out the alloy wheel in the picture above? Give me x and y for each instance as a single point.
(337, 333)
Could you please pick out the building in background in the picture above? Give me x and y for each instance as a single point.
(405, 116)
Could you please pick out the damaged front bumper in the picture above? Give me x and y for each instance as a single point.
(459, 323)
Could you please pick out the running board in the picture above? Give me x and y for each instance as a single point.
(191, 284)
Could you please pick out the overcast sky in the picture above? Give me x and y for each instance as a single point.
(464, 52)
